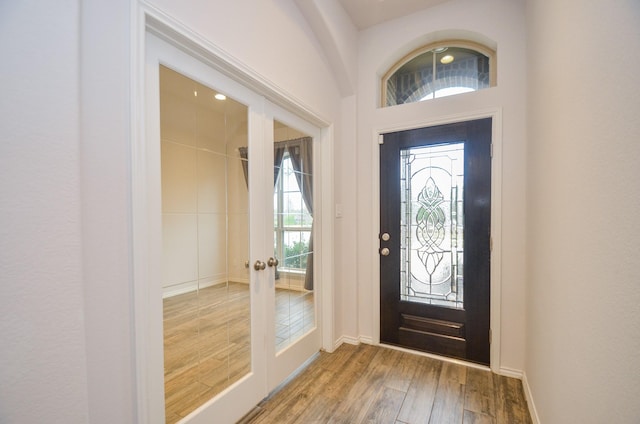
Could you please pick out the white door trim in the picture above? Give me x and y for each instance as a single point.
(496, 216)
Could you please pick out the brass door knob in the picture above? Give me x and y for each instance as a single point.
(272, 262)
(259, 266)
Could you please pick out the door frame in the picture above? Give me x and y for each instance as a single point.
(285, 362)
(496, 226)
(147, 19)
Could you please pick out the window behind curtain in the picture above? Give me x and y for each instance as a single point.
(292, 220)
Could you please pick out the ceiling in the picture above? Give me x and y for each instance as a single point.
(366, 13)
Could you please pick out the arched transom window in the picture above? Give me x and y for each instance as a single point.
(438, 70)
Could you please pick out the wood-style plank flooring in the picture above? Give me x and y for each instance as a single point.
(207, 340)
(369, 384)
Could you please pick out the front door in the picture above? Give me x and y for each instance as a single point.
(435, 209)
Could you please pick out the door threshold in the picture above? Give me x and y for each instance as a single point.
(438, 357)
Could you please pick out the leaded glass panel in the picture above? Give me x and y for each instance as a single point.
(432, 232)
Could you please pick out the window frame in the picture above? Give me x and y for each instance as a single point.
(480, 48)
(279, 228)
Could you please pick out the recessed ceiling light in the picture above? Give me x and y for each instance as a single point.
(220, 96)
(446, 59)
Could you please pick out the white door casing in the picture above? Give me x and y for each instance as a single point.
(146, 221)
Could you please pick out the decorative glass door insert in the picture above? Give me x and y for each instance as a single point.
(432, 224)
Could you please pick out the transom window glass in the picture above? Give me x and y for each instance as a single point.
(439, 70)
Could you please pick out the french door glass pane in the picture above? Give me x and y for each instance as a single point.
(432, 232)
(205, 221)
(293, 228)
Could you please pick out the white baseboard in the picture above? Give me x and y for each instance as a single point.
(510, 372)
(365, 340)
(535, 419)
(297, 288)
(345, 339)
(195, 285)
(187, 287)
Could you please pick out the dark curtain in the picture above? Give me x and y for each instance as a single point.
(244, 154)
(301, 154)
(278, 154)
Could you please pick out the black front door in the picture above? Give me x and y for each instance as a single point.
(435, 213)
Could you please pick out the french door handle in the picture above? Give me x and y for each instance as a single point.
(272, 262)
(259, 266)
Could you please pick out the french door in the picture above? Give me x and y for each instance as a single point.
(435, 209)
(233, 309)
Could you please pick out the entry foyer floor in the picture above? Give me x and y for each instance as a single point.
(370, 384)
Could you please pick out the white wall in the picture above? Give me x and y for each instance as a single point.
(42, 359)
(583, 318)
(379, 47)
(346, 225)
(270, 37)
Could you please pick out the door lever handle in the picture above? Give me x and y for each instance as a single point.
(259, 266)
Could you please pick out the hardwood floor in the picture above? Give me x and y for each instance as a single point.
(207, 348)
(368, 384)
(207, 340)
(206, 345)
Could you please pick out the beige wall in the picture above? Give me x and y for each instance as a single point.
(205, 208)
(583, 318)
(43, 358)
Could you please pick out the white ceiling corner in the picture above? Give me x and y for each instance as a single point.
(367, 13)
(329, 20)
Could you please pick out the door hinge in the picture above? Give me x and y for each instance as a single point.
(490, 336)
(380, 138)
(491, 150)
(490, 244)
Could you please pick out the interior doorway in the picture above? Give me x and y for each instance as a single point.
(218, 328)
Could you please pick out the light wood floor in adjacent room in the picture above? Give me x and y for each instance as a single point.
(368, 384)
(207, 344)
